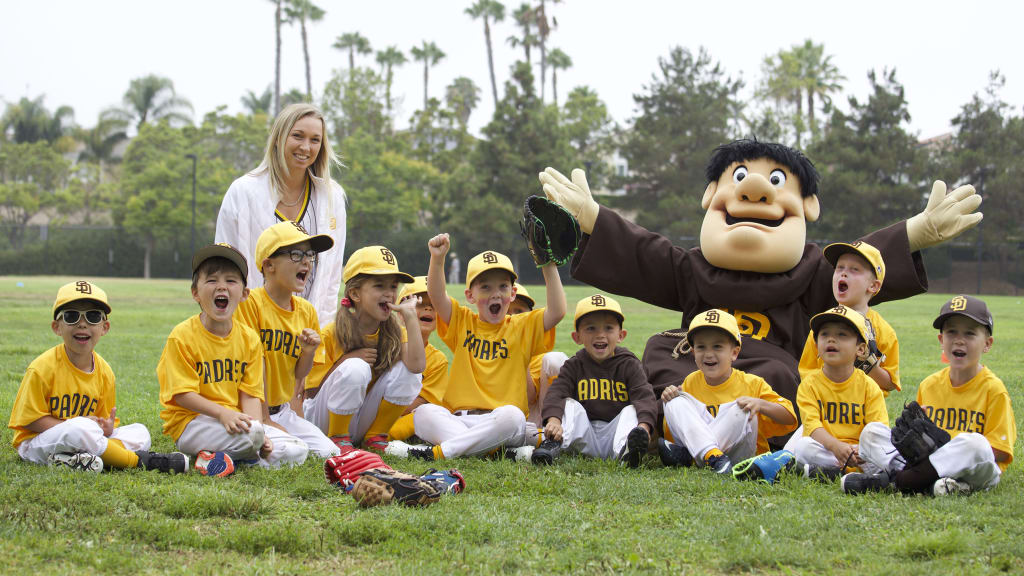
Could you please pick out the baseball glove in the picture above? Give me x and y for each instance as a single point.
(343, 471)
(376, 487)
(915, 436)
(874, 356)
(552, 234)
(447, 481)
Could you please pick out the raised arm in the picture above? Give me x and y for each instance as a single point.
(554, 309)
(436, 289)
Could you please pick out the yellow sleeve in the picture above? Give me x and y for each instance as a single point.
(534, 335)
(874, 403)
(809, 360)
(449, 331)
(108, 397)
(1001, 427)
(435, 377)
(889, 345)
(248, 313)
(31, 402)
(313, 322)
(806, 401)
(176, 371)
(766, 425)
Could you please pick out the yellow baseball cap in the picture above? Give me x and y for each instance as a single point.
(597, 303)
(284, 234)
(842, 314)
(485, 261)
(417, 286)
(80, 290)
(221, 250)
(715, 318)
(522, 294)
(375, 261)
(865, 250)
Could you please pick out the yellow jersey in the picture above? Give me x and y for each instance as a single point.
(194, 360)
(885, 339)
(53, 386)
(435, 375)
(489, 361)
(739, 384)
(981, 405)
(841, 408)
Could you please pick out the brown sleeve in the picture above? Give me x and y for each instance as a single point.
(623, 258)
(905, 275)
(560, 389)
(641, 394)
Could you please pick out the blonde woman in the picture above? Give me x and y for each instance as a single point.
(292, 183)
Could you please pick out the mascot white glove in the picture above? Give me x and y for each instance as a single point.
(945, 216)
(572, 195)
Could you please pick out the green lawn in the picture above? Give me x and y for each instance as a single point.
(580, 516)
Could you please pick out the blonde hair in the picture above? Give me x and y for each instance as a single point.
(348, 336)
(273, 156)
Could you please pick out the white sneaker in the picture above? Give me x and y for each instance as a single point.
(82, 461)
(950, 487)
(397, 448)
(520, 454)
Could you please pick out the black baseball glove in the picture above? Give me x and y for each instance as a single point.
(874, 356)
(915, 436)
(377, 486)
(551, 233)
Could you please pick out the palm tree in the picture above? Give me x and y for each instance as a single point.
(153, 98)
(558, 60)
(820, 77)
(543, 31)
(258, 104)
(353, 42)
(111, 129)
(293, 96)
(429, 54)
(303, 11)
(30, 121)
(782, 83)
(462, 96)
(489, 11)
(277, 55)
(388, 59)
(525, 18)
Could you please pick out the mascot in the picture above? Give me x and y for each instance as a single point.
(753, 260)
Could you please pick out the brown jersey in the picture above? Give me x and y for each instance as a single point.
(602, 389)
(773, 310)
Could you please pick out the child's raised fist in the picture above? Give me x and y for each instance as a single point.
(439, 245)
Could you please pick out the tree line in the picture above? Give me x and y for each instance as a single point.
(435, 175)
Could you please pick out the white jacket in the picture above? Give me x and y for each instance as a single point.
(248, 209)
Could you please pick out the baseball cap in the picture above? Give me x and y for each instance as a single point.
(865, 250)
(597, 303)
(964, 305)
(522, 294)
(485, 261)
(714, 318)
(417, 286)
(80, 290)
(374, 261)
(842, 314)
(288, 233)
(221, 250)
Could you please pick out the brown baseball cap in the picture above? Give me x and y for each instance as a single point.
(964, 305)
(222, 250)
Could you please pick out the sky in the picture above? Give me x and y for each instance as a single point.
(84, 54)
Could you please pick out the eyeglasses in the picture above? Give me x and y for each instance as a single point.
(297, 255)
(71, 317)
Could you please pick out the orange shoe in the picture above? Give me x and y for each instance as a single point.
(344, 443)
(378, 443)
(217, 464)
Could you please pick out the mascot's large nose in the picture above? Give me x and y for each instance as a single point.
(755, 188)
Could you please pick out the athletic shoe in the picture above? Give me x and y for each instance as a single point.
(170, 462)
(422, 453)
(719, 464)
(217, 464)
(765, 467)
(636, 445)
(519, 454)
(950, 487)
(822, 473)
(344, 443)
(674, 454)
(79, 461)
(377, 443)
(859, 483)
(547, 452)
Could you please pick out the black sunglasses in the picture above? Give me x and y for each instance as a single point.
(297, 255)
(71, 317)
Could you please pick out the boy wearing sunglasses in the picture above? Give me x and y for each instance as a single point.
(65, 413)
(288, 327)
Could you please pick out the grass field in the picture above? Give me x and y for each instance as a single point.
(580, 516)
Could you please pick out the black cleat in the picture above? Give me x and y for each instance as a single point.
(636, 445)
(422, 453)
(859, 483)
(170, 462)
(547, 452)
(822, 473)
(674, 454)
(719, 464)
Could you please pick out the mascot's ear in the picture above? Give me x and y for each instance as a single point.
(709, 193)
(811, 208)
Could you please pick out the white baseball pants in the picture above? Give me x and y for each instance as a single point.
(595, 438)
(968, 457)
(81, 434)
(732, 431)
(463, 434)
(319, 444)
(207, 433)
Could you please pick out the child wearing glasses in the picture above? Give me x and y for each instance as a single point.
(288, 327)
(65, 413)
